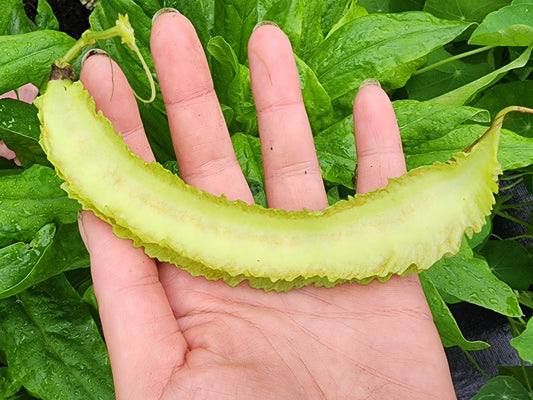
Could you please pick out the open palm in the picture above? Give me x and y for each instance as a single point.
(174, 336)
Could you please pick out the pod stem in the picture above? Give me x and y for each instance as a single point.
(497, 123)
(122, 29)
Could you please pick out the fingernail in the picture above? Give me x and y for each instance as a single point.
(164, 11)
(370, 82)
(262, 23)
(82, 230)
(93, 52)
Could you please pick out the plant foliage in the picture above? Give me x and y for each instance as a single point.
(449, 67)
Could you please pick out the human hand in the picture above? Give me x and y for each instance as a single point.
(171, 335)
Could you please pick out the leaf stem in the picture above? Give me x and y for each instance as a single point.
(478, 367)
(513, 219)
(452, 58)
(122, 29)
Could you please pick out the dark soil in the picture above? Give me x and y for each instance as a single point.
(73, 17)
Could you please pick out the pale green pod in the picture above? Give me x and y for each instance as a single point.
(403, 228)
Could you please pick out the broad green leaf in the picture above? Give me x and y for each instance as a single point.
(514, 152)
(526, 298)
(500, 96)
(233, 86)
(470, 279)
(28, 57)
(312, 33)
(18, 259)
(420, 122)
(335, 149)
(386, 47)
(316, 100)
(509, 26)
(30, 200)
(45, 18)
(449, 331)
(20, 130)
(471, 10)
(389, 6)
(5, 16)
(466, 93)
(444, 78)
(8, 385)
(502, 387)
(248, 152)
(333, 12)
(524, 343)
(14, 19)
(53, 345)
(355, 11)
(48, 254)
(522, 374)
(333, 195)
(510, 262)
(235, 20)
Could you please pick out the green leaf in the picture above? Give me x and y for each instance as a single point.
(48, 254)
(470, 279)
(353, 12)
(235, 21)
(14, 19)
(420, 122)
(471, 10)
(444, 78)
(5, 16)
(316, 100)
(510, 262)
(335, 149)
(8, 385)
(524, 343)
(522, 374)
(449, 331)
(20, 130)
(466, 93)
(248, 152)
(31, 200)
(312, 33)
(233, 86)
(28, 57)
(52, 343)
(502, 387)
(385, 47)
(509, 26)
(45, 18)
(514, 152)
(387, 6)
(334, 10)
(500, 96)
